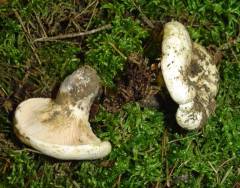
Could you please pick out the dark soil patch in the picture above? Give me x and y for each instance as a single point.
(132, 85)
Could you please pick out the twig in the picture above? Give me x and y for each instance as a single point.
(85, 9)
(226, 175)
(180, 139)
(225, 162)
(75, 184)
(183, 163)
(73, 35)
(157, 185)
(28, 37)
(40, 24)
(118, 181)
(169, 174)
(144, 17)
(117, 50)
(6, 165)
(214, 169)
(93, 13)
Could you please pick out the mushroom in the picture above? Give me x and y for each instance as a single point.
(190, 75)
(59, 128)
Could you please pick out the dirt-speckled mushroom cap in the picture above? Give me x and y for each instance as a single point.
(203, 74)
(60, 128)
(190, 76)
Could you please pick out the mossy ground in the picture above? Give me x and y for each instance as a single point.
(149, 150)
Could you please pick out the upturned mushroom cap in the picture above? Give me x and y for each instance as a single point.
(60, 128)
(190, 76)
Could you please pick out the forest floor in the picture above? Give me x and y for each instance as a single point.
(121, 39)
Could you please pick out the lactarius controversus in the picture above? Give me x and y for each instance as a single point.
(190, 75)
(59, 128)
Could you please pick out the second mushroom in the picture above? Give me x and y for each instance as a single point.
(190, 75)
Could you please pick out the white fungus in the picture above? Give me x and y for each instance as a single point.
(190, 76)
(59, 128)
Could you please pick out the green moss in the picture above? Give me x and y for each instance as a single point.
(126, 36)
(147, 150)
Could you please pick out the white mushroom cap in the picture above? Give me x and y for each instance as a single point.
(177, 52)
(190, 76)
(60, 127)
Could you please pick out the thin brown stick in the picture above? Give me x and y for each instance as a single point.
(85, 9)
(73, 35)
(28, 37)
(118, 181)
(180, 139)
(93, 14)
(144, 17)
(117, 50)
(225, 162)
(40, 24)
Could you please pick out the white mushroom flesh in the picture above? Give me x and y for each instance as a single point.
(191, 78)
(177, 52)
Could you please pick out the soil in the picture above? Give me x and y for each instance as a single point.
(132, 85)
